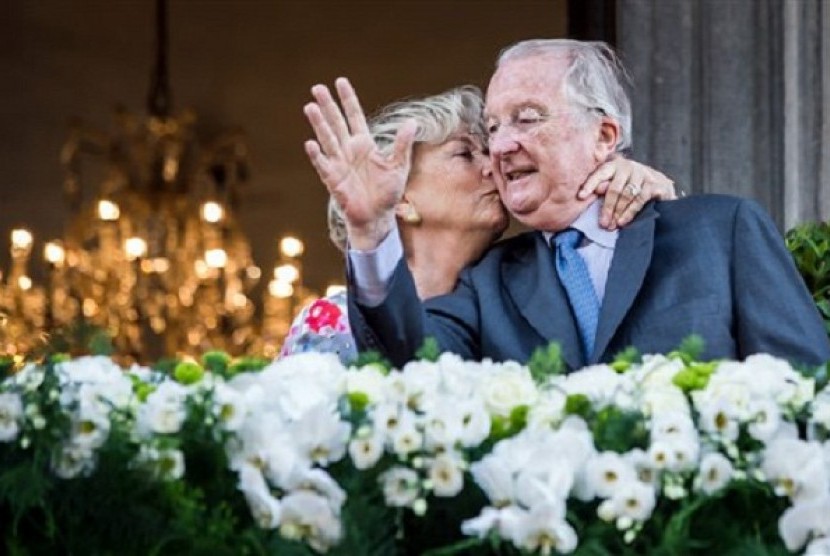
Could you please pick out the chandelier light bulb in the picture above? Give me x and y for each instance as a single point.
(216, 258)
(54, 253)
(108, 211)
(287, 273)
(135, 247)
(291, 247)
(212, 212)
(280, 289)
(21, 238)
(24, 283)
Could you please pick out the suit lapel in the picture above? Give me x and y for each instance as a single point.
(532, 284)
(632, 256)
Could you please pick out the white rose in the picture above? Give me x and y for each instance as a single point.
(503, 391)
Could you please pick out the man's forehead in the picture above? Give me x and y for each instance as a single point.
(517, 89)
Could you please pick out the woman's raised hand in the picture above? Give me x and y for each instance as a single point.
(364, 181)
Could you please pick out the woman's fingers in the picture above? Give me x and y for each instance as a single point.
(325, 136)
(597, 180)
(319, 161)
(615, 201)
(331, 112)
(351, 106)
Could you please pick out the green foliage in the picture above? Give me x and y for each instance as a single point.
(245, 364)
(188, 372)
(809, 245)
(690, 349)
(430, 351)
(216, 361)
(546, 362)
(373, 358)
(625, 359)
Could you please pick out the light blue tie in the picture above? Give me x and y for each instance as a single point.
(573, 273)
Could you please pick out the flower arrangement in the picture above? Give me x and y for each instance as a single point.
(661, 455)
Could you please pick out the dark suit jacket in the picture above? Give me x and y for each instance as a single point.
(711, 265)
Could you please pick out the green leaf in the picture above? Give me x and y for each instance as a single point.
(371, 357)
(430, 351)
(546, 362)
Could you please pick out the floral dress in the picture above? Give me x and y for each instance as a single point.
(322, 326)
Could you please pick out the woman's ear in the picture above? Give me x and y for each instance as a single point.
(608, 135)
(407, 212)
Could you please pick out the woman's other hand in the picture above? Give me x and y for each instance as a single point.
(627, 186)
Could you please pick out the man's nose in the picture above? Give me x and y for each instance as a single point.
(501, 142)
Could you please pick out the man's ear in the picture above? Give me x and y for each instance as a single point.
(608, 135)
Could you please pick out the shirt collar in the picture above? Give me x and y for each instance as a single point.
(588, 224)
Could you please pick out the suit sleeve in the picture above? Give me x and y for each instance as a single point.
(398, 327)
(775, 312)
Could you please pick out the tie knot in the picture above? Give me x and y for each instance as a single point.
(568, 238)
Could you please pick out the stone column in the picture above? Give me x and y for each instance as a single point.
(733, 96)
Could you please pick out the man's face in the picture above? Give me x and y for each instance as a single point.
(542, 146)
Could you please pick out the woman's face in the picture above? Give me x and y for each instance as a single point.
(451, 186)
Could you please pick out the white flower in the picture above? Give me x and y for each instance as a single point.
(446, 475)
(720, 418)
(606, 472)
(643, 467)
(400, 486)
(406, 438)
(308, 516)
(475, 423)
(796, 469)
(320, 482)
(228, 407)
(265, 509)
(633, 500)
(90, 433)
(549, 409)
(715, 472)
(368, 381)
(661, 455)
(320, 435)
(164, 411)
(818, 547)
(11, 412)
(442, 426)
(170, 464)
(601, 384)
(505, 389)
(766, 418)
(495, 477)
(548, 481)
(664, 399)
(293, 385)
(70, 461)
(803, 521)
(670, 425)
(366, 451)
(544, 529)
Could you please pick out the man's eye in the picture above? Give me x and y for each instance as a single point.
(467, 153)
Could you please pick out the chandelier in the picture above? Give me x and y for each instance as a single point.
(154, 253)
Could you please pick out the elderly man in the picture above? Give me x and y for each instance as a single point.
(709, 265)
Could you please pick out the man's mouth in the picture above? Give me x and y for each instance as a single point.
(515, 175)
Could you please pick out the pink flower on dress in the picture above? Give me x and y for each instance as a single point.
(323, 313)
